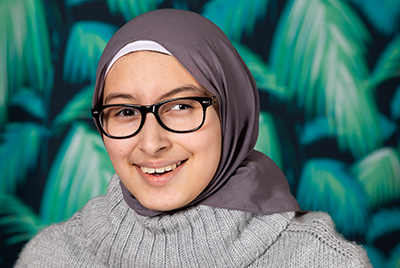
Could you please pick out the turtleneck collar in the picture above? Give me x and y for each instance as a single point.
(200, 234)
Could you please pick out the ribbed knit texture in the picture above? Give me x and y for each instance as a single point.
(107, 233)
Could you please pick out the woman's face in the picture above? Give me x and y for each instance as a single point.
(147, 78)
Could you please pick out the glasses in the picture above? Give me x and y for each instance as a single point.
(181, 115)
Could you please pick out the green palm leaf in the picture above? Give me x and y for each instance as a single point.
(388, 127)
(262, 73)
(130, 9)
(238, 16)
(324, 185)
(19, 153)
(394, 259)
(75, 3)
(318, 56)
(85, 44)
(268, 139)
(25, 56)
(289, 158)
(180, 4)
(379, 174)
(321, 127)
(80, 171)
(388, 65)
(18, 220)
(376, 256)
(77, 108)
(317, 129)
(383, 223)
(383, 14)
(394, 105)
(30, 101)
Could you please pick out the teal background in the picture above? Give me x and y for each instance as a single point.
(328, 73)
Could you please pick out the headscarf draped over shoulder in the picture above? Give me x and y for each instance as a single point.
(246, 180)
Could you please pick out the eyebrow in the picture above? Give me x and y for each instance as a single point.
(178, 90)
(167, 95)
(118, 95)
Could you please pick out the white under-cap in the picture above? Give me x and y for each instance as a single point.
(138, 46)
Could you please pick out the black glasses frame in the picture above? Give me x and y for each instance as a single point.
(204, 101)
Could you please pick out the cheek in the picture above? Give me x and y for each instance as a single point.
(206, 147)
(118, 149)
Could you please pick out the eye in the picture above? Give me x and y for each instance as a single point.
(125, 112)
(179, 107)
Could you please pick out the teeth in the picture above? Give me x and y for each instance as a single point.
(161, 169)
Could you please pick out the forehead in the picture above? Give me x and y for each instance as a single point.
(147, 75)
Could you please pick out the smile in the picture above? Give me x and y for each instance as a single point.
(160, 170)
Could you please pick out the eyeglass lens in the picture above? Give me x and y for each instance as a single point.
(178, 115)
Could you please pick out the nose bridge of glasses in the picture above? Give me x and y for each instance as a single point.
(153, 109)
(149, 109)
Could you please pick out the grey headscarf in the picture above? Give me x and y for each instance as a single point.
(246, 180)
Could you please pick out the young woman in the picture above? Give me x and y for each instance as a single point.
(178, 109)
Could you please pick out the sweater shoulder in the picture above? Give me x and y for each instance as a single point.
(319, 230)
(61, 244)
(55, 240)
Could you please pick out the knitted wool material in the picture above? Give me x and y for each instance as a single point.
(107, 233)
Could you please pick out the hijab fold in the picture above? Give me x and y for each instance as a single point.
(246, 180)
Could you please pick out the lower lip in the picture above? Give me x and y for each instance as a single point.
(159, 180)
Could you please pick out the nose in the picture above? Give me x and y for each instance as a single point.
(153, 138)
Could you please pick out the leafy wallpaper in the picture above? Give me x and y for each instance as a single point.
(328, 72)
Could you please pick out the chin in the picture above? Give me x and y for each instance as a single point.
(165, 204)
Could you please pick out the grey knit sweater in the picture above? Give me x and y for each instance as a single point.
(107, 233)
